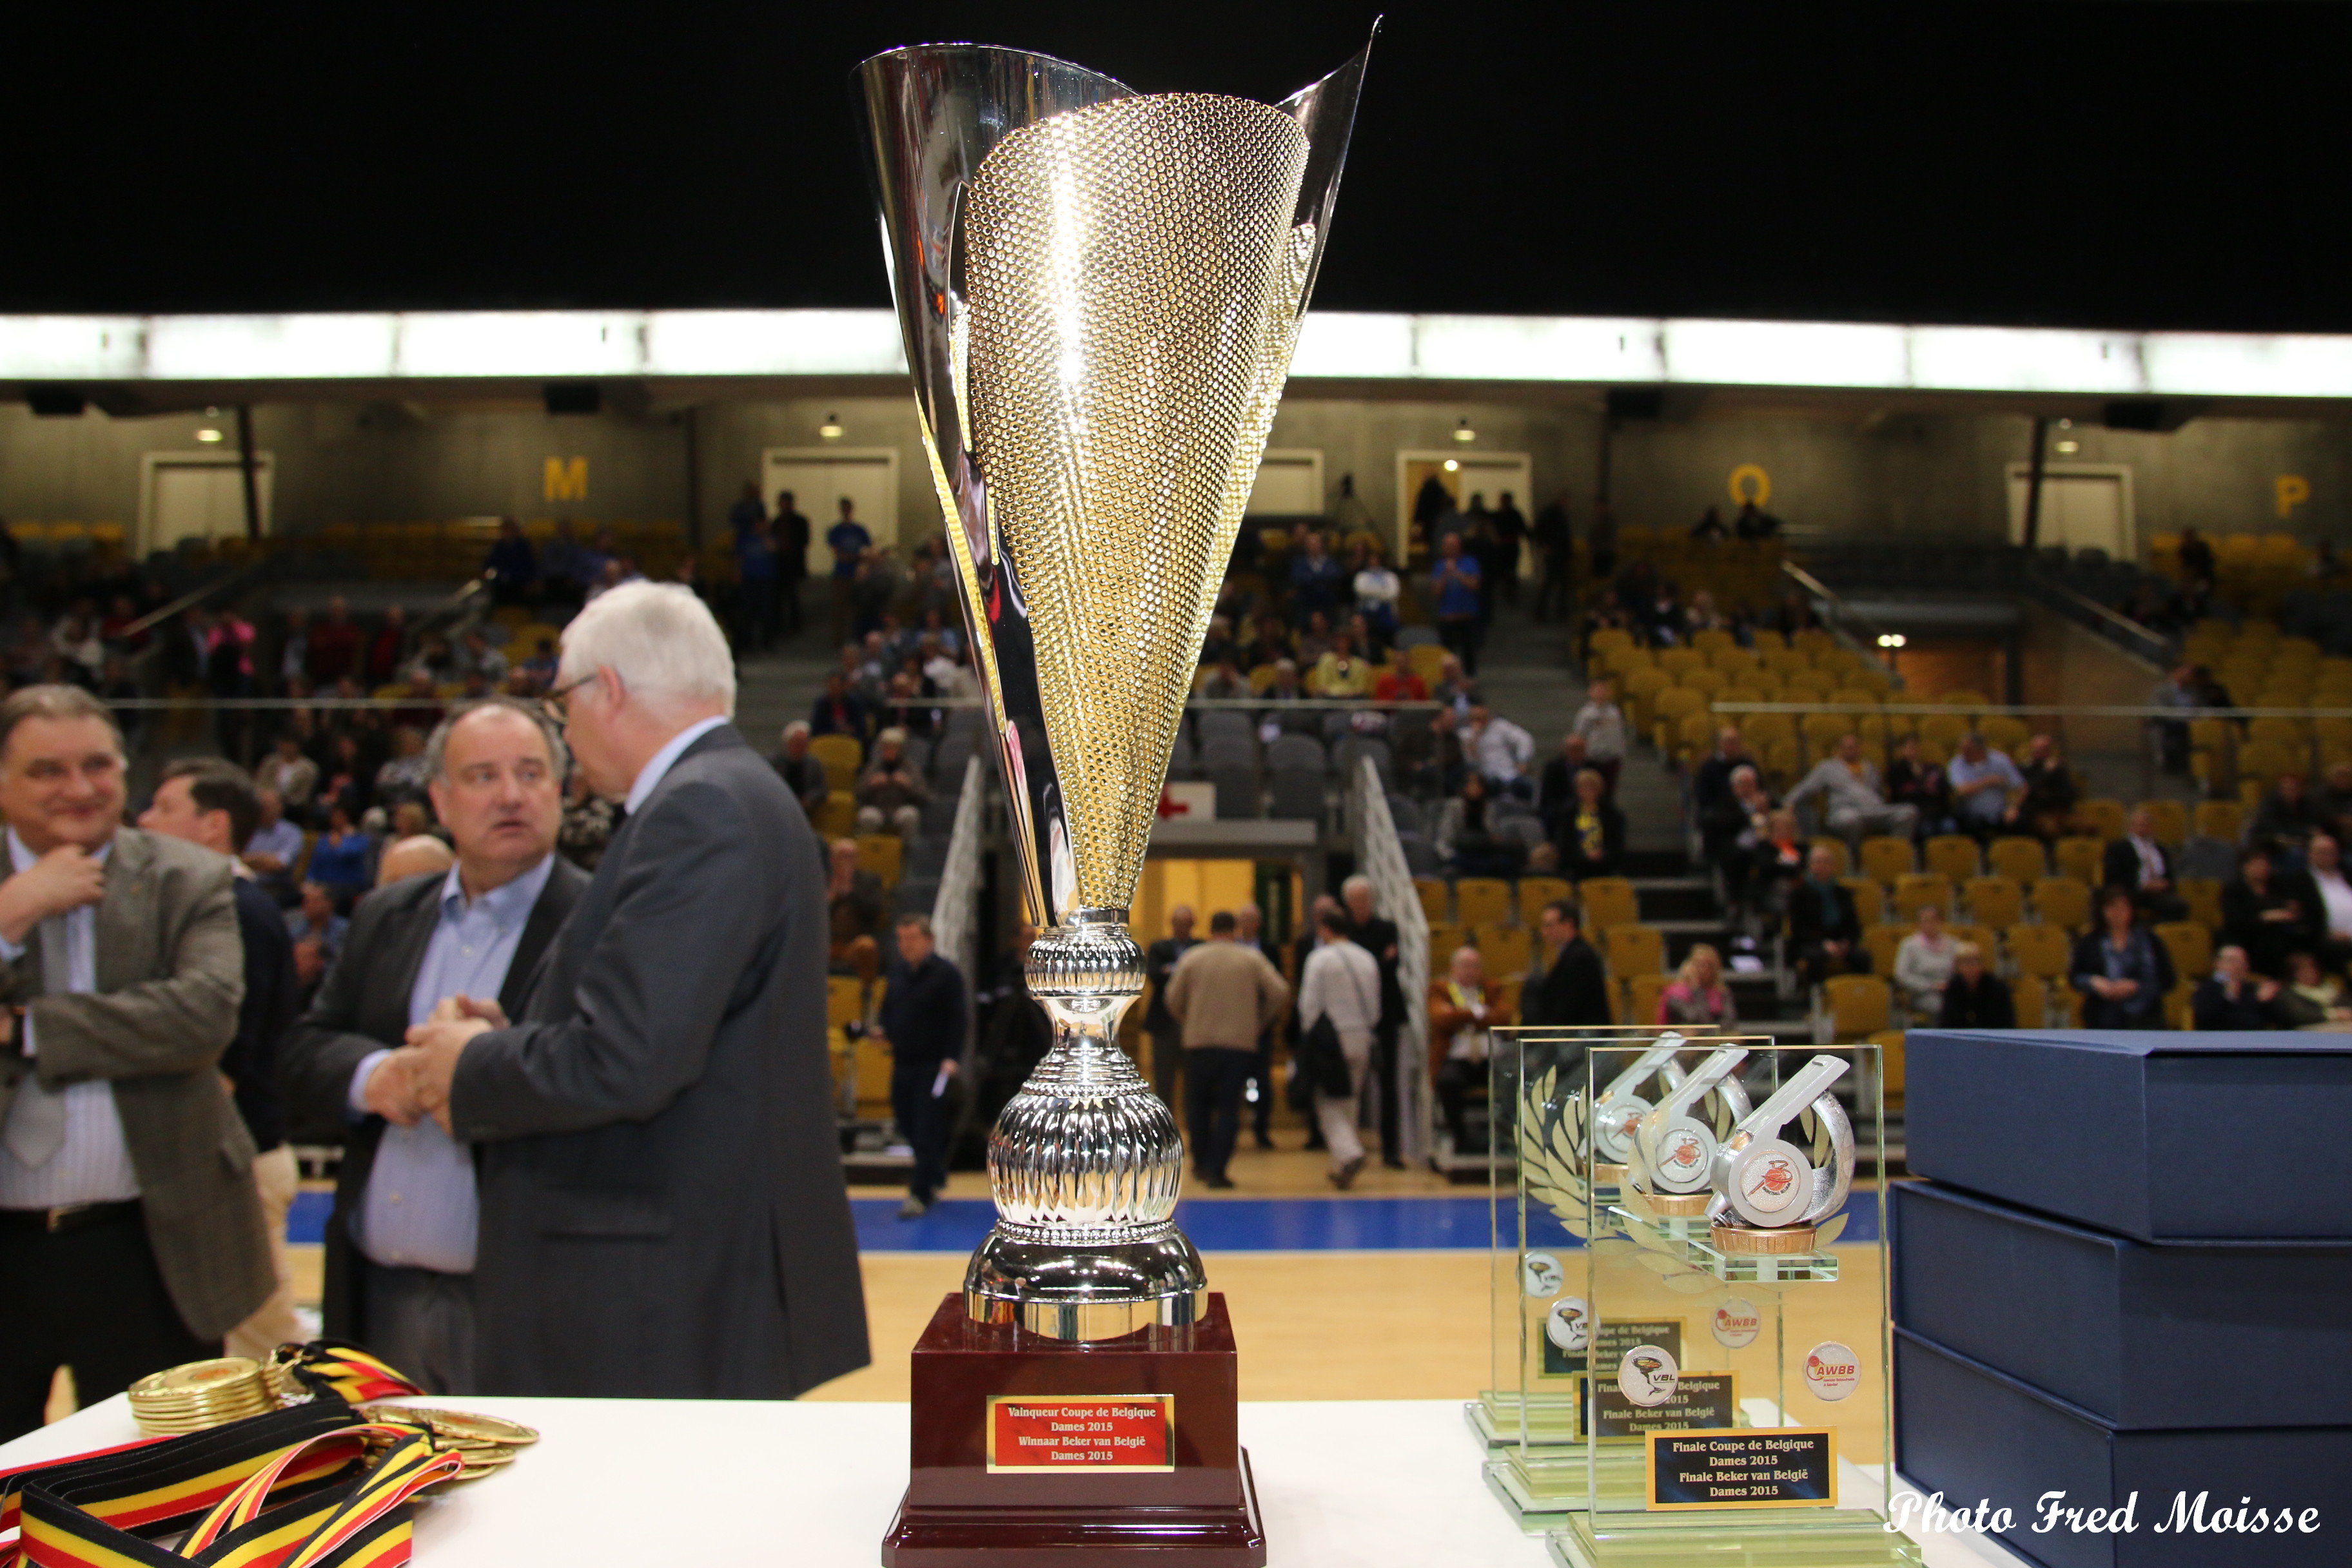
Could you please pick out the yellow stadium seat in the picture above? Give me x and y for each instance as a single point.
(2262, 762)
(1995, 901)
(1675, 660)
(2029, 996)
(2041, 948)
(2021, 859)
(1639, 999)
(2082, 858)
(1426, 661)
(837, 818)
(1869, 899)
(1481, 901)
(1890, 1067)
(1435, 899)
(1609, 902)
(1506, 949)
(2062, 901)
(2203, 897)
(2190, 946)
(1886, 857)
(1635, 949)
(1860, 1005)
(1916, 889)
(880, 853)
(1955, 855)
(2168, 819)
(1534, 892)
(1880, 942)
(2106, 815)
(1444, 937)
(839, 755)
(1713, 640)
(845, 999)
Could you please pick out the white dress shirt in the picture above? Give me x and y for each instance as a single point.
(93, 1164)
(2337, 894)
(658, 768)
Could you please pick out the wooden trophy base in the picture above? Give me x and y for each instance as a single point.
(1111, 1454)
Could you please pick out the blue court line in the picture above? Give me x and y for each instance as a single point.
(1215, 1224)
(1256, 1225)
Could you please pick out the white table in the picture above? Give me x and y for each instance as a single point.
(717, 1482)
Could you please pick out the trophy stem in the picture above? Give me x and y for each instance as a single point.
(1085, 1163)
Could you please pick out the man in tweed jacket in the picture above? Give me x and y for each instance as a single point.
(130, 1234)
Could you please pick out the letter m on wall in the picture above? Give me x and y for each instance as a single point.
(564, 478)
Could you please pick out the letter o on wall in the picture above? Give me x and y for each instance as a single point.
(1750, 482)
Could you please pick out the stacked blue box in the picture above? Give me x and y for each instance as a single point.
(2128, 1276)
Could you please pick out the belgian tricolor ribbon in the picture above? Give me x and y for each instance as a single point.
(353, 1375)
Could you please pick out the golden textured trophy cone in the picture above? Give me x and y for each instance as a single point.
(1134, 281)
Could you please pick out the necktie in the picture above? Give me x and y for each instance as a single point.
(37, 1118)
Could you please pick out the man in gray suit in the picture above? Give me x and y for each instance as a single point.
(663, 1213)
(401, 1240)
(130, 1234)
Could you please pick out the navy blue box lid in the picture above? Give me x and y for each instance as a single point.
(2159, 1136)
(2142, 1337)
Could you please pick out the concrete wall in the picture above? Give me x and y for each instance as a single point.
(1845, 471)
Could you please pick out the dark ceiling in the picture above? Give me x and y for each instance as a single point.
(2116, 165)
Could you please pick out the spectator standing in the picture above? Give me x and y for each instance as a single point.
(1556, 550)
(512, 566)
(1223, 994)
(923, 1022)
(2121, 970)
(1455, 585)
(792, 531)
(211, 803)
(1510, 526)
(1973, 999)
(1377, 591)
(1341, 981)
(1379, 937)
(2177, 690)
(1315, 579)
(1600, 724)
(129, 1243)
(2286, 820)
(1592, 839)
(1854, 803)
(334, 646)
(388, 649)
(849, 542)
(755, 573)
(1160, 960)
(1558, 792)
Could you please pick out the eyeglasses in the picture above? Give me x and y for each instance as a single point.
(553, 702)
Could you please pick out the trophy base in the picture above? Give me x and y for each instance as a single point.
(1739, 1239)
(1008, 1468)
(1749, 1537)
(1678, 1205)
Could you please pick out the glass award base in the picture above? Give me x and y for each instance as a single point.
(1495, 1419)
(1695, 1241)
(1545, 1491)
(1738, 1537)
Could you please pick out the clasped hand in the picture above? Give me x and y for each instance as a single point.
(412, 1081)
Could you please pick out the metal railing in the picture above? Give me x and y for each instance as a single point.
(1379, 857)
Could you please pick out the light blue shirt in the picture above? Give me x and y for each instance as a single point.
(657, 766)
(93, 1164)
(420, 1211)
(1986, 803)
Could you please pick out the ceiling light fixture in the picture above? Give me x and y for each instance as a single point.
(1461, 432)
(831, 429)
(2068, 448)
(1891, 640)
(208, 434)
(1452, 467)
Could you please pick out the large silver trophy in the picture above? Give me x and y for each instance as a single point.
(1101, 291)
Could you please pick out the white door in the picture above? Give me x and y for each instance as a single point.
(2082, 508)
(197, 496)
(1489, 476)
(820, 478)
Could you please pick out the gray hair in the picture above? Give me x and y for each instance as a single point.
(437, 747)
(1352, 883)
(659, 639)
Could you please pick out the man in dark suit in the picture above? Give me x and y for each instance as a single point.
(663, 1211)
(2138, 862)
(1573, 990)
(213, 803)
(401, 1240)
(922, 1022)
(131, 1237)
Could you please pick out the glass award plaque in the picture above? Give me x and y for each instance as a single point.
(1730, 1398)
(1568, 1174)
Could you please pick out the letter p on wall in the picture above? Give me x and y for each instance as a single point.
(2294, 489)
(567, 479)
